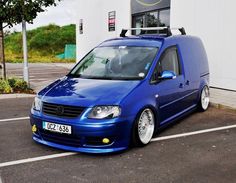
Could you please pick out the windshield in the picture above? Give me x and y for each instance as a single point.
(123, 63)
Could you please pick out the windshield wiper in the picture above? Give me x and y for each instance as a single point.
(104, 77)
(97, 77)
(73, 75)
(115, 78)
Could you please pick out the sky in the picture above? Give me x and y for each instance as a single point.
(63, 14)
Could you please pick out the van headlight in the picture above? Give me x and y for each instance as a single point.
(37, 104)
(104, 112)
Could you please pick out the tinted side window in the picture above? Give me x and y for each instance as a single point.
(169, 61)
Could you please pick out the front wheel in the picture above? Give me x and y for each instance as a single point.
(205, 99)
(144, 127)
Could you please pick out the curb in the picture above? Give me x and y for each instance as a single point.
(221, 106)
(12, 96)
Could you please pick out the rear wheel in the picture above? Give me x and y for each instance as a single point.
(205, 99)
(144, 127)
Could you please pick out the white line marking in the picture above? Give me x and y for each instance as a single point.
(193, 133)
(29, 160)
(40, 158)
(14, 119)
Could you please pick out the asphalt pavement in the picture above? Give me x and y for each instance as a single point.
(203, 157)
(40, 74)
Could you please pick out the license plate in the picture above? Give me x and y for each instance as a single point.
(53, 127)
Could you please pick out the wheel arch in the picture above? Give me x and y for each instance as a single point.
(204, 82)
(155, 113)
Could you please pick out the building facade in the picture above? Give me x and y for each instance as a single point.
(212, 21)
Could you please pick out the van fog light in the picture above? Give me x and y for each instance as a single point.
(34, 128)
(105, 141)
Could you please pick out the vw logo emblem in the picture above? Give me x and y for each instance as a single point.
(60, 110)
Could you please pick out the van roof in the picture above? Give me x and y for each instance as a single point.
(152, 40)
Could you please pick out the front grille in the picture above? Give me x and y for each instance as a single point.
(62, 110)
(63, 139)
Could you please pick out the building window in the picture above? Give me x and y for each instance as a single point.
(164, 18)
(158, 18)
(139, 22)
(152, 19)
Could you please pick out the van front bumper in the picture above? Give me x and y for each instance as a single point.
(85, 137)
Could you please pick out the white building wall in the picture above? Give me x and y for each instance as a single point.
(95, 22)
(214, 22)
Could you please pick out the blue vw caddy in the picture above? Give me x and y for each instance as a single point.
(123, 92)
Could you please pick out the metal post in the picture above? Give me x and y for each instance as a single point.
(2, 55)
(25, 53)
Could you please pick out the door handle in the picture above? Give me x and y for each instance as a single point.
(187, 82)
(181, 85)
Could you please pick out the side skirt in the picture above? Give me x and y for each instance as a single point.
(176, 118)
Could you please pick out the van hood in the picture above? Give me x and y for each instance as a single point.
(87, 92)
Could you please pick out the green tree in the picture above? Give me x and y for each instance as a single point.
(13, 12)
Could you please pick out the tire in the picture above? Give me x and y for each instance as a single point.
(143, 128)
(204, 99)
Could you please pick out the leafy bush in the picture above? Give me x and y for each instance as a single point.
(14, 85)
(5, 87)
(17, 84)
(20, 85)
(12, 82)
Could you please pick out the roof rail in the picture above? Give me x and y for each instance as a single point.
(145, 29)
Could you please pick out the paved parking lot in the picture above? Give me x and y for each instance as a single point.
(40, 74)
(204, 157)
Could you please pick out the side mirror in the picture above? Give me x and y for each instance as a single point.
(167, 75)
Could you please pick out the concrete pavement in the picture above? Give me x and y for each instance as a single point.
(223, 98)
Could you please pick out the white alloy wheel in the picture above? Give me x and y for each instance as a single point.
(205, 98)
(146, 126)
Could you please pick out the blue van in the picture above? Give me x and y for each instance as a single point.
(123, 92)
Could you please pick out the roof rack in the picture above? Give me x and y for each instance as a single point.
(167, 30)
